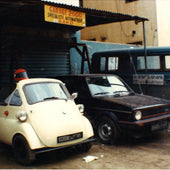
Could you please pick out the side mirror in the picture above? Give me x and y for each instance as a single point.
(74, 96)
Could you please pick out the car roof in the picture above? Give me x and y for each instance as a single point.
(85, 75)
(135, 51)
(37, 80)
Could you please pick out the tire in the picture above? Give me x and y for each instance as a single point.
(106, 131)
(84, 147)
(22, 151)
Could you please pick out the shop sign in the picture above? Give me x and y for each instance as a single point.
(64, 16)
(151, 79)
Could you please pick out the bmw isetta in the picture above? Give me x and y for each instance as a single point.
(39, 116)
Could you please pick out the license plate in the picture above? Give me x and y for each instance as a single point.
(70, 137)
(159, 125)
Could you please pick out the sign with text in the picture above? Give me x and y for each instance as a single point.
(64, 16)
(152, 79)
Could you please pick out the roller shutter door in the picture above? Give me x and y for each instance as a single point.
(40, 60)
(45, 63)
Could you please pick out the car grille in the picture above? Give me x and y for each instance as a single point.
(155, 111)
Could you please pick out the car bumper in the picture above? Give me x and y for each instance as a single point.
(42, 150)
(145, 126)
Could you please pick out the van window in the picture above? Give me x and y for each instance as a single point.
(153, 62)
(102, 63)
(112, 63)
(167, 61)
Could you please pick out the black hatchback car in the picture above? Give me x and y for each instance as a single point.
(114, 108)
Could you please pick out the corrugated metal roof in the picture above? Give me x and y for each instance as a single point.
(32, 11)
(97, 17)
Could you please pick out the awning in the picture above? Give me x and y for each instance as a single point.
(97, 17)
(24, 12)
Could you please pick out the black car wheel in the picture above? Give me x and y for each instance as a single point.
(107, 131)
(22, 151)
(84, 147)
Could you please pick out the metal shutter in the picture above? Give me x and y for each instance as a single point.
(45, 62)
(39, 59)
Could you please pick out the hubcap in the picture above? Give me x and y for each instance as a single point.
(105, 130)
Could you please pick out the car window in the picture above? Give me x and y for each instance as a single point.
(6, 91)
(153, 62)
(38, 92)
(14, 99)
(113, 63)
(104, 85)
(102, 63)
(167, 61)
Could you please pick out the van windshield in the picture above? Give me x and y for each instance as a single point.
(107, 85)
(39, 92)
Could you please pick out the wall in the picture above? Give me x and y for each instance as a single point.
(163, 17)
(124, 32)
(92, 47)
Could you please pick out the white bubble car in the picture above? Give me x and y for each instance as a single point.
(39, 116)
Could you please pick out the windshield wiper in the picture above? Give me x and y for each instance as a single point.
(101, 93)
(118, 93)
(48, 98)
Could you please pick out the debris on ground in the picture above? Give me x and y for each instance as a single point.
(90, 158)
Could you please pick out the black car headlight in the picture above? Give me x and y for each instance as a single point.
(138, 115)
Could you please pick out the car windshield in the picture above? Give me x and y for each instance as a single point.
(107, 85)
(39, 92)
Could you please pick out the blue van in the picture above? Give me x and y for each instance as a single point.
(146, 70)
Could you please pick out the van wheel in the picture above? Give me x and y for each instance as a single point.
(84, 147)
(106, 131)
(22, 151)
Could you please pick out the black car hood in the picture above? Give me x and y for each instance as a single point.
(134, 101)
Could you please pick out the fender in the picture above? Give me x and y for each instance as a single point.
(109, 114)
(30, 135)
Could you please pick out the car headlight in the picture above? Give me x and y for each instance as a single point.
(22, 116)
(138, 115)
(81, 107)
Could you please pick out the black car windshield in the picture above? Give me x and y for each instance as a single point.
(107, 85)
(39, 92)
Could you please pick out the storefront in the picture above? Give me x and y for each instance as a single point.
(38, 36)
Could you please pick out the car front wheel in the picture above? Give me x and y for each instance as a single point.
(107, 131)
(22, 151)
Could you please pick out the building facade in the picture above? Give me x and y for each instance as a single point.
(43, 37)
(163, 20)
(124, 32)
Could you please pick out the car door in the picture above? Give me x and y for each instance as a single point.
(8, 120)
